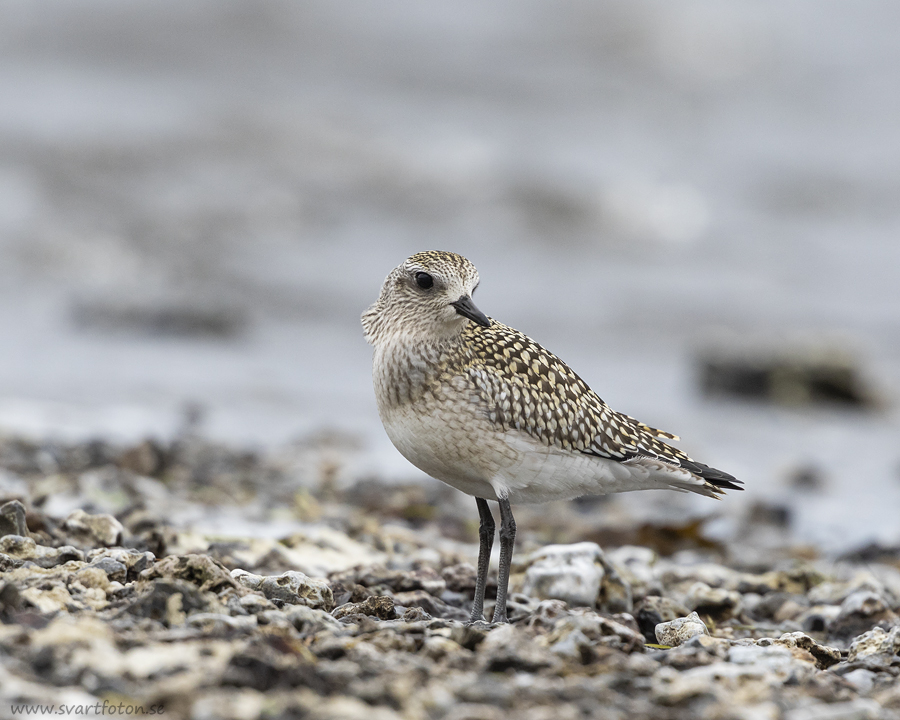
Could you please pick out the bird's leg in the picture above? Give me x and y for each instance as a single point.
(486, 541)
(507, 540)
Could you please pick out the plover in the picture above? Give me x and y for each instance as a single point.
(485, 409)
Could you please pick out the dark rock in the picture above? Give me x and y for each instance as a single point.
(135, 561)
(7, 562)
(344, 594)
(199, 570)
(718, 604)
(309, 621)
(460, 578)
(769, 605)
(824, 655)
(505, 649)
(11, 601)
(430, 604)
(806, 477)
(12, 519)
(860, 612)
(147, 458)
(769, 513)
(274, 661)
(224, 552)
(381, 607)
(114, 569)
(403, 580)
(24, 548)
(796, 378)
(416, 614)
(874, 552)
(655, 609)
(157, 601)
(159, 321)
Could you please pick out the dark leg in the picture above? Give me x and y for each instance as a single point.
(507, 540)
(486, 538)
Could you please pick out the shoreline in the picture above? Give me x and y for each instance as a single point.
(361, 610)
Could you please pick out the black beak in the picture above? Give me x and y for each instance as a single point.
(465, 307)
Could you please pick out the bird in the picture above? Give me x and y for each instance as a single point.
(484, 408)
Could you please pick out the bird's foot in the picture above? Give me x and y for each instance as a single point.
(480, 624)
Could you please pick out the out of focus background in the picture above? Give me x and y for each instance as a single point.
(695, 204)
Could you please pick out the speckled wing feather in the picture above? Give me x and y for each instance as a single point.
(530, 389)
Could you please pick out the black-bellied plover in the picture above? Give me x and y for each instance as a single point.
(484, 408)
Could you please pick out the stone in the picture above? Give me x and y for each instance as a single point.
(135, 562)
(591, 629)
(655, 609)
(572, 573)
(818, 617)
(765, 656)
(460, 578)
(877, 647)
(615, 591)
(822, 655)
(93, 530)
(712, 574)
(862, 679)
(680, 630)
(24, 548)
(171, 601)
(507, 648)
(308, 621)
(430, 604)
(10, 600)
(289, 588)
(860, 611)
(12, 519)
(718, 603)
(199, 570)
(381, 607)
(113, 569)
(401, 580)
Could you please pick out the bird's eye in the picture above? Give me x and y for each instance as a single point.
(424, 280)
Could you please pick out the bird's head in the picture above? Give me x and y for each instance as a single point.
(426, 298)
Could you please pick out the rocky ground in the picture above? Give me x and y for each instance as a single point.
(111, 604)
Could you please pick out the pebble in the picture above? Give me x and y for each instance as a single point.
(876, 646)
(860, 611)
(291, 588)
(12, 519)
(24, 548)
(380, 607)
(717, 603)
(678, 631)
(91, 530)
(571, 573)
(823, 655)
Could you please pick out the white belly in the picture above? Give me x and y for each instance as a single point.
(470, 454)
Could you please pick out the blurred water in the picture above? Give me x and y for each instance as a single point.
(634, 180)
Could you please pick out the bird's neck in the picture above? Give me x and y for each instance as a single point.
(405, 368)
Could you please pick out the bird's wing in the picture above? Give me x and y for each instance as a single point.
(526, 387)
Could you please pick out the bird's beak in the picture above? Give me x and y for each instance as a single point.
(465, 307)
